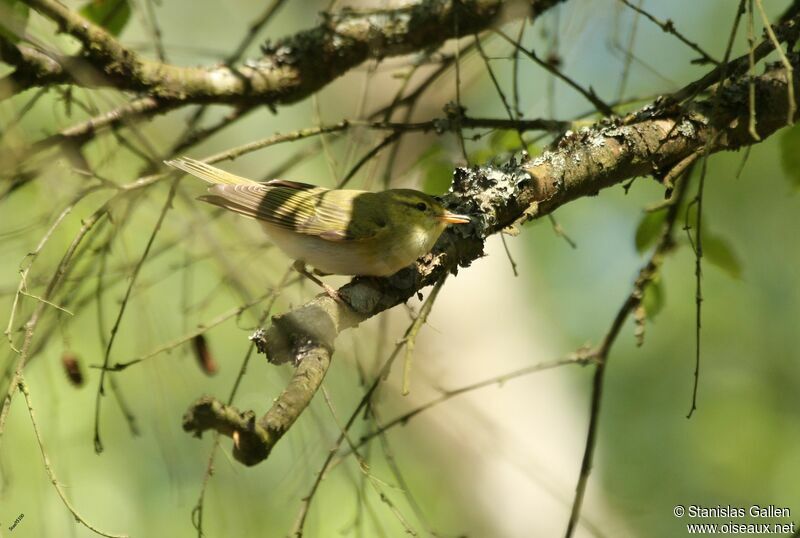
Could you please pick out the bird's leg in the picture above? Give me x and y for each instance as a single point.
(300, 267)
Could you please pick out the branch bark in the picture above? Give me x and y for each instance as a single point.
(33, 68)
(648, 142)
(293, 67)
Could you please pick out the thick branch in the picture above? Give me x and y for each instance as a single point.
(33, 68)
(647, 142)
(253, 439)
(292, 68)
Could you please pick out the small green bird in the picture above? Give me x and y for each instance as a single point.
(337, 231)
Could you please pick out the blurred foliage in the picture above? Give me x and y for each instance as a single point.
(739, 448)
(790, 156)
(716, 250)
(437, 169)
(649, 229)
(15, 14)
(653, 297)
(112, 15)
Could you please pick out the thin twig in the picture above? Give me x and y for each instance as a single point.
(152, 19)
(511, 115)
(792, 105)
(30, 326)
(98, 445)
(367, 157)
(388, 454)
(508, 255)
(588, 94)
(32, 258)
(364, 468)
(698, 244)
(199, 507)
(601, 354)
(23, 387)
(669, 27)
(560, 231)
(580, 358)
(515, 70)
(751, 84)
(623, 81)
(201, 329)
(297, 530)
(410, 339)
(459, 108)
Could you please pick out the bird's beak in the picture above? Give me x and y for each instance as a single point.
(454, 218)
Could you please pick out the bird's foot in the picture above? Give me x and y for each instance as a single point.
(300, 267)
(333, 294)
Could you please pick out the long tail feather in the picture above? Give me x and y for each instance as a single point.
(230, 205)
(208, 173)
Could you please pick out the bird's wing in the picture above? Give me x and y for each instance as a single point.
(208, 173)
(296, 207)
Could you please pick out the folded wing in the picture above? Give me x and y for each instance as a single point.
(293, 206)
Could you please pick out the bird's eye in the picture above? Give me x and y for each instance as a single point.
(422, 206)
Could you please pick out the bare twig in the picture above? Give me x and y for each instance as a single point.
(626, 69)
(201, 329)
(30, 326)
(199, 507)
(751, 96)
(791, 104)
(365, 470)
(496, 198)
(588, 94)
(364, 402)
(289, 70)
(601, 353)
(787, 31)
(98, 445)
(410, 338)
(669, 27)
(23, 387)
(190, 132)
(698, 200)
(580, 358)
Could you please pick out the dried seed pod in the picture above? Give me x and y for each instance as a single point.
(203, 355)
(72, 367)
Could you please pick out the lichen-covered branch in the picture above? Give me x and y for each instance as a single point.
(292, 68)
(254, 438)
(650, 141)
(78, 134)
(33, 68)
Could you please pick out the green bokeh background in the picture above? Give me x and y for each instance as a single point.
(740, 447)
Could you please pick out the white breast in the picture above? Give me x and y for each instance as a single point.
(351, 257)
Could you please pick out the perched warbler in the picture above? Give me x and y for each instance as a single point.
(337, 231)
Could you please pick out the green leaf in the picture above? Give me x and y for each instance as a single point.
(437, 170)
(790, 153)
(649, 229)
(653, 297)
(438, 177)
(112, 15)
(13, 19)
(435, 151)
(504, 140)
(720, 253)
(716, 250)
(481, 156)
(534, 150)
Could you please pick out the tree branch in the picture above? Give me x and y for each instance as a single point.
(293, 67)
(649, 141)
(33, 68)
